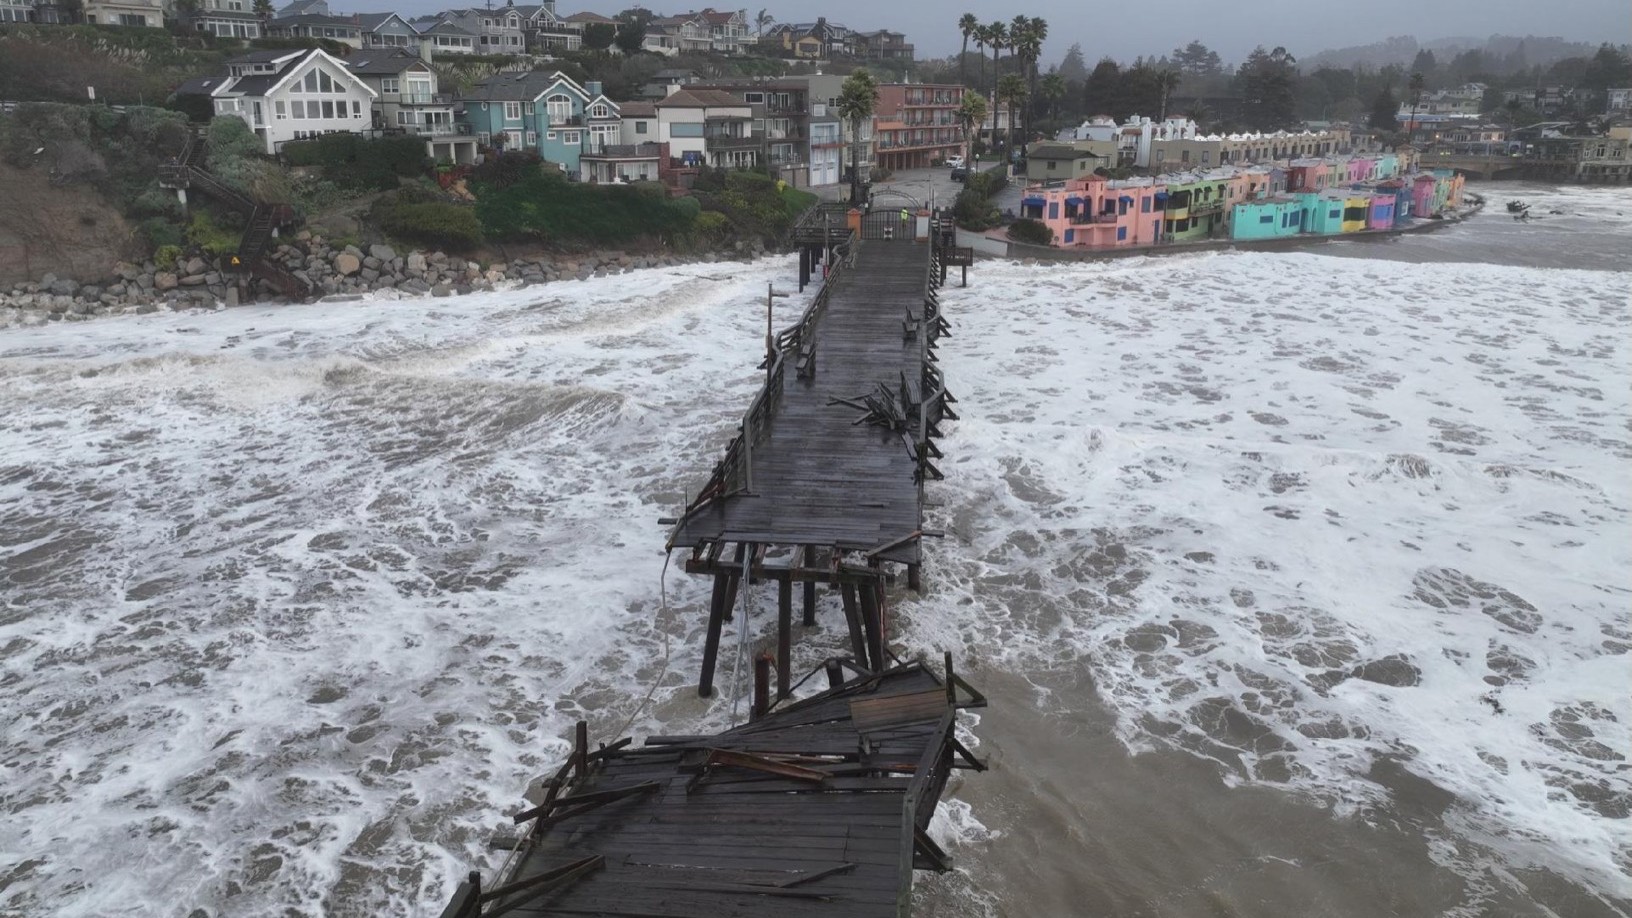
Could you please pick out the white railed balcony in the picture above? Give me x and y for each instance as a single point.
(437, 129)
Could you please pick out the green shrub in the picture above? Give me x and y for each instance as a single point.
(166, 256)
(508, 168)
(210, 236)
(545, 206)
(1031, 231)
(974, 211)
(419, 215)
(351, 161)
(442, 224)
(711, 226)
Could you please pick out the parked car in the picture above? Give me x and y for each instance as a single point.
(955, 162)
(960, 173)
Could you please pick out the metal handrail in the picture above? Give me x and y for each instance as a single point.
(733, 474)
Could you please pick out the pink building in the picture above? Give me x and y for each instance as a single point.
(1306, 175)
(1422, 196)
(1360, 168)
(1095, 212)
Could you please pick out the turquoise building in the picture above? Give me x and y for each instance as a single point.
(547, 113)
(1322, 214)
(1269, 218)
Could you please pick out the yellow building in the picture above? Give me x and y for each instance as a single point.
(1355, 210)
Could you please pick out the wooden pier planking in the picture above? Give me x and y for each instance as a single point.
(739, 840)
(819, 478)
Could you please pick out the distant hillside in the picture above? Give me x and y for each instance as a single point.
(1402, 50)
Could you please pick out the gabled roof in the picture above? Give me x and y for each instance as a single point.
(1059, 151)
(434, 26)
(590, 17)
(261, 84)
(300, 8)
(383, 62)
(200, 86)
(312, 19)
(369, 22)
(268, 56)
(700, 98)
(636, 109)
(523, 86)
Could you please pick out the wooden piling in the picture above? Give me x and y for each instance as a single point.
(784, 635)
(852, 618)
(810, 604)
(835, 673)
(711, 646)
(762, 687)
(873, 626)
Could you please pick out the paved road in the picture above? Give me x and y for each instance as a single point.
(924, 185)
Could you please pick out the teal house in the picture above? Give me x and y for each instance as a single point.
(547, 113)
(1322, 214)
(1388, 166)
(1267, 218)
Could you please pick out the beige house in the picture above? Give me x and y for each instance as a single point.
(1058, 162)
(148, 13)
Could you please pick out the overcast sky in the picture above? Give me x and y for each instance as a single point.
(1122, 31)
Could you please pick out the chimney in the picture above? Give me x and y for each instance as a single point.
(593, 87)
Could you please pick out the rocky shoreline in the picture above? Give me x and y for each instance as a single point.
(346, 271)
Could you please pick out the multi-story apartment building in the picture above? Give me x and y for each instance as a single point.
(780, 112)
(915, 125)
(141, 13)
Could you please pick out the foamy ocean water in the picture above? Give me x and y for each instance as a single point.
(297, 599)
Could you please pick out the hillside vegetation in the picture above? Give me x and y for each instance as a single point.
(124, 66)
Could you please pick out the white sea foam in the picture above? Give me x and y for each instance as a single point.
(1299, 513)
(297, 599)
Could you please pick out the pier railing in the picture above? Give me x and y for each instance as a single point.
(733, 474)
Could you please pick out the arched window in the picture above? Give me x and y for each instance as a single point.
(560, 108)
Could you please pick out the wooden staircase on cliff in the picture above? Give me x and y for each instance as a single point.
(262, 220)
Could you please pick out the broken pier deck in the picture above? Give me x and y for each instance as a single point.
(820, 808)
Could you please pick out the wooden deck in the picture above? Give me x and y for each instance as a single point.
(818, 809)
(818, 478)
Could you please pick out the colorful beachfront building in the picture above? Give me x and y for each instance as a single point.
(1380, 212)
(1356, 207)
(1095, 212)
(1307, 197)
(1322, 212)
(1267, 218)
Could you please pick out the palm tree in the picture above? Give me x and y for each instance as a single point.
(997, 38)
(1031, 50)
(967, 24)
(982, 35)
(1166, 82)
(1011, 91)
(1416, 85)
(1052, 89)
(761, 21)
(263, 9)
(857, 98)
(971, 114)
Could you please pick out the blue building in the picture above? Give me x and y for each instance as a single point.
(548, 113)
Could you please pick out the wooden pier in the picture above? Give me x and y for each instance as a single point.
(820, 808)
(823, 485)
